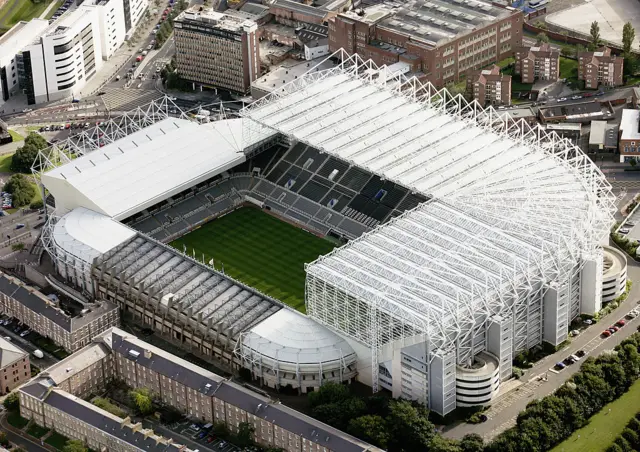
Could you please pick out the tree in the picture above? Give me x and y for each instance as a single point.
(472, 442)
(244, 438)
(141, 398)
(26, 155)
(74, 445)
(628, 36)
(22, 192)
(12, 402)
(631, 437)
(542, 38)
(567, 51)
(329, 392)
(440, 444)
(541, 25)
(408, 426)
(4, 441)
(370, 428)
(220, 430)
(596, 40)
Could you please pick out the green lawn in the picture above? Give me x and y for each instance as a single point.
(53, 9)
(259, 250)
(15, 135)
(56, 440)
(37, 431)
(568, 68)
(16, 420)
(5, 163)
(605, 426)
(16, 10)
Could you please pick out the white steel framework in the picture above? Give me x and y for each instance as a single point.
(514, 211)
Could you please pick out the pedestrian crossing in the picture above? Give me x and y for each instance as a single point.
(124, 100)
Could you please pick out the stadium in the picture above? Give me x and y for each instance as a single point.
(438, 239)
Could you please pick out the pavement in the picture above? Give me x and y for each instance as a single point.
(504, 410)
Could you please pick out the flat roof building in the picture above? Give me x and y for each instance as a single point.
(441, 39)
(603, 137)
(217, 50)
(629, 141)
(11, 43)
(576, 112)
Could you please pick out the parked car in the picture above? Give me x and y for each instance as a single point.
(568, 360)
(606, 333)
(19, 226)
(574, 333)
(587, 322)
(560, 366)
(580, 353)
(624, 230)
(620, 323)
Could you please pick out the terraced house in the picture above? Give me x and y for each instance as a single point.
(54, 400)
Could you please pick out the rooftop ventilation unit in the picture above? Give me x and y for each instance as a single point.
(134, 353)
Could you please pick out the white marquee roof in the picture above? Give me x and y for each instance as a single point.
(132, 173)
(508, 200)
(290, 338)
(86, 234)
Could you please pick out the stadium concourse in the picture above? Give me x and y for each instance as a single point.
(470, 238)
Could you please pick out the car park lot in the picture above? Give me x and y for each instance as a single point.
(607, 332)
(205, 438)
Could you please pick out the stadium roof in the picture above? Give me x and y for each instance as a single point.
(290, 338)
(508, 200)
(86, 234)
(127, 175)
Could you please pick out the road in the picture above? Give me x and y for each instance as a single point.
(20, 440)
(504, 410)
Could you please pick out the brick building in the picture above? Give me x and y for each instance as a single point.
(32, 308)
(537, 63)
(600, 68)
(439, 40)
(14, 366)
(489, 86)
(629, 141)
(217, 50)
(54, 400)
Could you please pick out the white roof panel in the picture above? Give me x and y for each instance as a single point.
(86, 234)
(505, 199)
(292, 338)
(147, 166)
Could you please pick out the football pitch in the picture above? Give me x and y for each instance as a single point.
(259, 250)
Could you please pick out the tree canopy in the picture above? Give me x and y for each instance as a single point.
(22, 192)
(596, 40)
(628, 36)
(26, 155)
(12, 402)
(142, 399)
(75, 445)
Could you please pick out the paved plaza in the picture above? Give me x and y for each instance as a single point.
(611, 15)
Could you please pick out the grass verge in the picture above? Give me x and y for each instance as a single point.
(53, 9)
(37, 431)
(57, 440)
(604, 427)
(16, 420)
(259, 250)
(15, 136)
(16, 10)
(5, 163)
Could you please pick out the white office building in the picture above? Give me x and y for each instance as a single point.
(111, 21)
(133, 13)
(59, 62)
(11, 43)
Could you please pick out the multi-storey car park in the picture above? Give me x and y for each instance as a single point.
(470, 238)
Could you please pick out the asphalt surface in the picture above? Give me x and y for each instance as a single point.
(505, 409)
(20, 440)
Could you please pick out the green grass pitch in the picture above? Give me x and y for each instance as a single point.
(259, 250)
